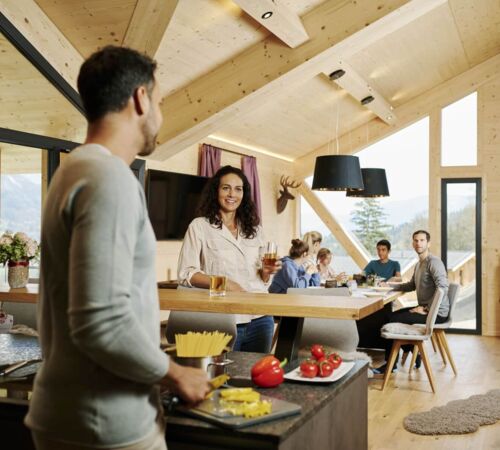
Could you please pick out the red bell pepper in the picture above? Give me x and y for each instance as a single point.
(268, 372)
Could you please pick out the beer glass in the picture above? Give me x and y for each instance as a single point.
(217, 279)
(270, 254)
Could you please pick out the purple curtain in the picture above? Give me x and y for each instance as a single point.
(249, 167)
(210, 160)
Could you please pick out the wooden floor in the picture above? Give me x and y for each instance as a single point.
(478, 364)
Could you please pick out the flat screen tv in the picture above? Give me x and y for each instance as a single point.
(173, 200)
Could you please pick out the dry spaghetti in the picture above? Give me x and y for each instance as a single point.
(203, 344)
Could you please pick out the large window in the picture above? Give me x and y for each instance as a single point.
(459, 133)
(34, 115)
(20, 194)
(405, 156)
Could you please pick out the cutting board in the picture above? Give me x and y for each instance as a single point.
(211, 411)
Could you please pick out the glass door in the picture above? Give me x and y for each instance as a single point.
(461, 248)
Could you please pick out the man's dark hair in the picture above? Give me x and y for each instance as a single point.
(109, 77)
(246, 214)
(385, 243)
(427, 234)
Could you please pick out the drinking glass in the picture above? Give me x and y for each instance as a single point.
(270, 254)
(217, 279)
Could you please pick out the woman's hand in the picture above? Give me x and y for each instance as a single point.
(311, 268)
(233, 286)
(341, 277)
(269, 269)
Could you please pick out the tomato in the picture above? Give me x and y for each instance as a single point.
(308, 368)
(325, 369)
(317, 351)
(335, 359)
(320, 360)
(268, 372)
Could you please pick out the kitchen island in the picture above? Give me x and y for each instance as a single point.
(334, 416)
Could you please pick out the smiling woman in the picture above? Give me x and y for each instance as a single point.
(228, 232)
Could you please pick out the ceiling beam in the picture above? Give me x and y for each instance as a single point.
(278, 19)
(148, 25)
(438, 97)
(268, 69)
(359, 88)
(39, 30)
(354, 250)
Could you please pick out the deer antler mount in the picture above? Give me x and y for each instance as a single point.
(285, 194)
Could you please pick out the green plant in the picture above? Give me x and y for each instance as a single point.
(17, 247)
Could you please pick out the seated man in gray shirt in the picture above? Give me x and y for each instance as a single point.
(429, 274)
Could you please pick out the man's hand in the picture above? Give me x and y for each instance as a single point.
(189, 383)
(419, 310)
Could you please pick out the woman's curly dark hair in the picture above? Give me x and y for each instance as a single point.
(246, 214)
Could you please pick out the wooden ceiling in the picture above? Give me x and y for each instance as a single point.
(224, 74)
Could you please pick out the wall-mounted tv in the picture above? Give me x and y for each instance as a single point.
(173, 200)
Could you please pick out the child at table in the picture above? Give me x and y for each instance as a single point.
(293, 273)
(325, 270)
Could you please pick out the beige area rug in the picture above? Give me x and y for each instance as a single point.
(457, 416)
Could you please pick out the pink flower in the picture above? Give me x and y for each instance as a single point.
(23, 237)
(31, 248)
(5, 240)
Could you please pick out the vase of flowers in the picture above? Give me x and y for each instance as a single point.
(16, 250)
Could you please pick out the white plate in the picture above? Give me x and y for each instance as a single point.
(382, 288)
(337, 374)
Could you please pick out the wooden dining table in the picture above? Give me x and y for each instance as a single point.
(292, 308)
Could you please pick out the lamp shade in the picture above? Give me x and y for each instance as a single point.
(375, 182)
(337, 173)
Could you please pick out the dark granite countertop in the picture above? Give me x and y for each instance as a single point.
(311, 396)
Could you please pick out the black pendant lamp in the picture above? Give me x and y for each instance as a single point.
(337, 173)
(375, 182)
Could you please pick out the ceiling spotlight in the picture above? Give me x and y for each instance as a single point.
(337, 74)
(267, 14)
(367, 100)
(389, 117)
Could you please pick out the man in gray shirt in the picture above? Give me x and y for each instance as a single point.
(429, 274)
(99, 325)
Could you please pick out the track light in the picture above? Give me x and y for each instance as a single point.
(367, 99)
(337, 74)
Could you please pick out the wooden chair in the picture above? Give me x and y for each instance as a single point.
(340, 334)
(404, 334)
(439, 328)
(184, 321)
(438, 337)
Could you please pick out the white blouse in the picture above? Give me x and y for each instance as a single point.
(205, 243)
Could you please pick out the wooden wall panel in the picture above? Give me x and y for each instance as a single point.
(489, 148)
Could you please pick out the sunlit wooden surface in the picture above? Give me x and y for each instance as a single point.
(478, 364)
(28, 294)
(272, 304)
(241, 303)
